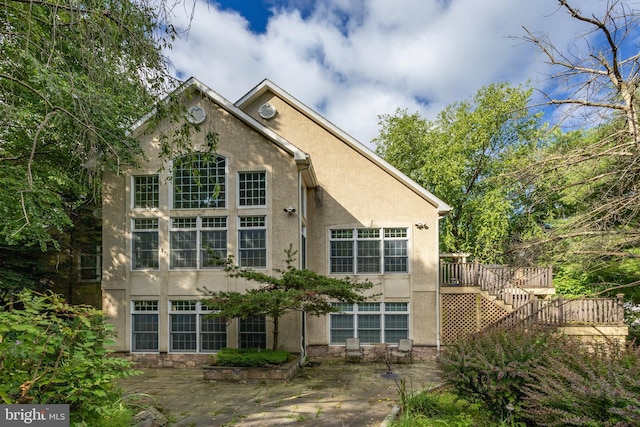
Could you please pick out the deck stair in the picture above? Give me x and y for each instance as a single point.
(475, 297)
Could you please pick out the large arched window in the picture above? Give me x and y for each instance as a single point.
(199, 181)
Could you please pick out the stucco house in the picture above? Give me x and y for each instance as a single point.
(282, 175)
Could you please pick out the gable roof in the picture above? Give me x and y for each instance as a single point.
(302, 159)
(268, 86)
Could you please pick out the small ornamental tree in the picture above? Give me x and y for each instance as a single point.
(294, 289)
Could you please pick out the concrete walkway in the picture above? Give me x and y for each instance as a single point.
(325, 393)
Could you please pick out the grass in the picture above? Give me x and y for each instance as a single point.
(440, 407)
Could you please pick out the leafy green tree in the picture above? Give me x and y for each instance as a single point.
(589, 178)
(464, 157)
(51, 352)
(294, 289)
(74, 76)
(597, 174)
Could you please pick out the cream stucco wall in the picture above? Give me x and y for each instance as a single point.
(352, 191)
(245, 150)
(356, 192)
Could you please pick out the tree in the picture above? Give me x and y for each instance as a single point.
(463, 157)
(74, 76)
(295, 289)
(602, 170)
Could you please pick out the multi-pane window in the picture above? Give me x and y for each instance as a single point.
(184, 243)
(342, 253)
(303, 200)
(199, 182)
(191, 330)
(253, 332)
(395, 250)
(252, 241)
(90, 268)
(145, 244)
(368, 322)
(252, 189)
(342, 324)
(369, 251)
(303, 247)
(213, 242)
(213, 334)
(144, 326)
(396, 321)
(198, 242)
(372, 322)
(146, 191)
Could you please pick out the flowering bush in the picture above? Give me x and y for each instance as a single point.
(546, 378)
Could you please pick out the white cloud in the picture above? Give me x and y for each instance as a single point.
(355, 60)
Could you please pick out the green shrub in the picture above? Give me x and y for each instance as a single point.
(493, 367)
(51, 352)
(595, 386)
(251, 357)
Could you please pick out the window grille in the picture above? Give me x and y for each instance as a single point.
(371, 322)
(145, 244)
(199, 182)
(252, 188)
(368, 251)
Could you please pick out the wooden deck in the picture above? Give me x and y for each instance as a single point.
(523, 300)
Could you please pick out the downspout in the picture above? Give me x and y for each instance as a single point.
(438, 302)
(303, 314)
(303, 162)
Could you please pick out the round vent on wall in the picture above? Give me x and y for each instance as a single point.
(267, 111)
(196, 115)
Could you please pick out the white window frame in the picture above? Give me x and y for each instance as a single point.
(154, 229)
(352, 237)
(140, 308)
(134, 192)
(199, 311)
(242, 201)
(386, 312)
(201, 225)
(220, 202)
(256, 223)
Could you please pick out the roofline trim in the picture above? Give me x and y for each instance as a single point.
(266, 84)
(231, 108)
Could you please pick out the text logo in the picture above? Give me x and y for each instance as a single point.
(34, 415)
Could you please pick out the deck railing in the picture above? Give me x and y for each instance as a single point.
(503, 282)
(558, 311)
(496, 277)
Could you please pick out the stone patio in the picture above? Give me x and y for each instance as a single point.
(326, 392)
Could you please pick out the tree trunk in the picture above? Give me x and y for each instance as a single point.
(275, 333)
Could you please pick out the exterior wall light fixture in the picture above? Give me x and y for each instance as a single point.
(421, 225)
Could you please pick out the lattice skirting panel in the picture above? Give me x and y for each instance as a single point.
(464, 314)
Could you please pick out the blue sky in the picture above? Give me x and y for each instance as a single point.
(256, 12)
(354, 60)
